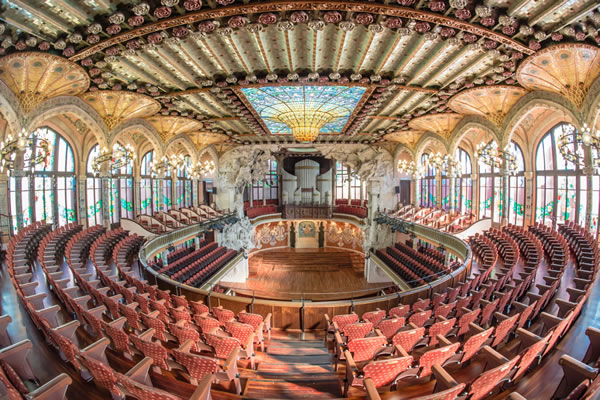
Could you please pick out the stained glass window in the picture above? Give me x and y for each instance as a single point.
(464, 184)
(267, 188)
(146, 185)
(183, 187)
(94, 190)
(516, 189)
(120, 195)
(48, 192)
(560, 195)
(347, 183)
(490, 196)
(428, 184)
(282, 108)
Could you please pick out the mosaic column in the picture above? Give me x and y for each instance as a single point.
(438, 188)
(18, 175)
(452, 205)
(174, 202)
(81, 189)
(413, 193)
(504, 191)
(529, 206)
(251, 193)
(54, 206)
(588, 171)
(4, 207)
(160, 203)
(195, 199)
(105, 200)
(475, 195)
(137, 198)
(264, 199)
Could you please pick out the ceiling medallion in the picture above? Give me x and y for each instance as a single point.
(304, 111)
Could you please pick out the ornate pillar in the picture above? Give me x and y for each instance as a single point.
(82, 192)
(105, 199)
(475, 196)
(413, 192)
(174, 180)
(4, 205)
(504, 194)
(54, 206)
(18, 175)
(137, 198)
(452, 200)
(264, 199)
(529, 207)
(333, 183)
(438, 188)
(251, 193)
(349, 185)
(588, 171)
(195, 192)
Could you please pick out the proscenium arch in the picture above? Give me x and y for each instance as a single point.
(538, 99)
(69, 105)
(468, 124)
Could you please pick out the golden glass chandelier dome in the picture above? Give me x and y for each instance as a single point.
(305, 126)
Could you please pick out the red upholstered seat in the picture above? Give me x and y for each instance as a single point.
(366, 348)
(409, 338)
(223, 315)
(222, 346)
(435, 357)
(358, 330)
(345, 319)
(153, 350)
(389, 327)
(487, 381)
(374, 317)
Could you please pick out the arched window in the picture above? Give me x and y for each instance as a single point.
(561, 186)
(516, 189)
(120, 197)
(94, 190)
(183, 186)
(464, 185)
(428, 183)
(48, 192)
(490, 184)
(347, 184)
(148, 186)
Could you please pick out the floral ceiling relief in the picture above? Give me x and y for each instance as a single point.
(367, 161)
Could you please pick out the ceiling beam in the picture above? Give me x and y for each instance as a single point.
(547, 11)
(591, 6)
(41, 15)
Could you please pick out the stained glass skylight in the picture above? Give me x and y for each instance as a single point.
(304, 110)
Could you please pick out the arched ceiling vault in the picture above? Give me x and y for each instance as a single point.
(204, 72)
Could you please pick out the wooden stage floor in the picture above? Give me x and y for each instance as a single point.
(321, 274)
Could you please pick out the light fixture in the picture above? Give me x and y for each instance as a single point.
(504, 160)
(571, 139)
(201, 169)
(10, 148)
(116, 159)
(412, 169)
(306, 126)
(166, 164)
(446, 164)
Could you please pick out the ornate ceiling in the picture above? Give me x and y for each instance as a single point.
(190, 62)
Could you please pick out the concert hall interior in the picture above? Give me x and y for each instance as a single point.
(283, 199)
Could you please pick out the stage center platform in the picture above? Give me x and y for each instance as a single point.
(319, 274)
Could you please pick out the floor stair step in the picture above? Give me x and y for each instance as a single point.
(309, 387)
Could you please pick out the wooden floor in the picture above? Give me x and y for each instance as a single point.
(315, 274)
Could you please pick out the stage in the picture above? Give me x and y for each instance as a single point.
(319, 274)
